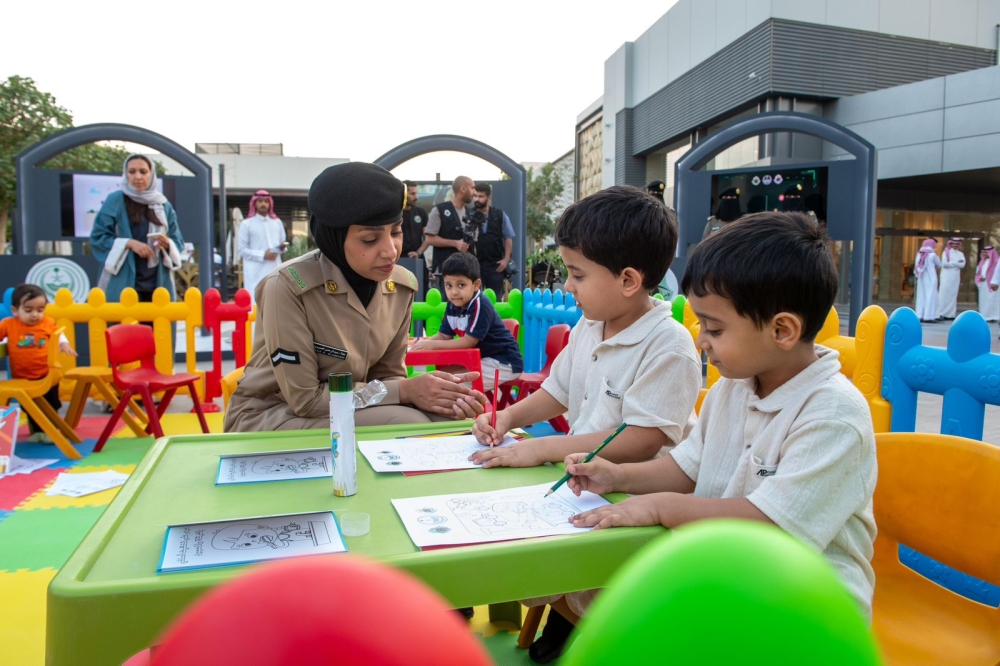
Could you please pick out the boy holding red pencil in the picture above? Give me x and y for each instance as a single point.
(628, 360)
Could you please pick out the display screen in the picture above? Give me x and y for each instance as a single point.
(781, 189)
(82, 195)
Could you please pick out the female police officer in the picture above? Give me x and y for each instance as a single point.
(344, 307)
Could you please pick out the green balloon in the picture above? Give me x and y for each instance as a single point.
(724, 592)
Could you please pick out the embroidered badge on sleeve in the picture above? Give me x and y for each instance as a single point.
(282, 356)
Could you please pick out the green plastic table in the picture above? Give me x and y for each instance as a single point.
(107, 602)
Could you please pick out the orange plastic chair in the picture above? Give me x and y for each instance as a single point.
(555, 341)
(938, 495)
(29, 393)
(229, 383)
(130, 343)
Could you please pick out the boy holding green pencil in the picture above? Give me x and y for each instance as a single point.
(783, 437)
(628, 360)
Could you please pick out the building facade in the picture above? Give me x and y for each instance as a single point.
(917, 78)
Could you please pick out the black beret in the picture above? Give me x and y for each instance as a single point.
(356, 193)
(656, 186)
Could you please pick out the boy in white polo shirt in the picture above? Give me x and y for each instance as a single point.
(628, 360)
(784, 437)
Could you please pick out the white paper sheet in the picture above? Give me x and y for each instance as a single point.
(499, 515)
(243, 541)
(423, 454)
(78, 485)
(275, 466)
(27, 465)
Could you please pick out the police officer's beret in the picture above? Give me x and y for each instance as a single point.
(656, 186)
(356, 193)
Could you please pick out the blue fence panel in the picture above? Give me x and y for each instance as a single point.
(543, 309)
(968, 376)
(966, 373)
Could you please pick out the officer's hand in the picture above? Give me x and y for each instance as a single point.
(413, 255)
(442, 393)
(502, 265)
(462, 246)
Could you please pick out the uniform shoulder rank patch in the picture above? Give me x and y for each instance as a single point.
(390, 285)
(298, 280)
(326, 350)
(283, 356)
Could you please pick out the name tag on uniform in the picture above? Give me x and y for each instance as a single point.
(326, 350)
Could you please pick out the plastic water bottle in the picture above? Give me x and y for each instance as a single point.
(342, 441)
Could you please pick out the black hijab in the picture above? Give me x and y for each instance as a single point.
(352, 193)
(330, 241)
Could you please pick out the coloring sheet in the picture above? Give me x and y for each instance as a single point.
(423, 454)
(500, 515)
(243, 541)
(275, 466)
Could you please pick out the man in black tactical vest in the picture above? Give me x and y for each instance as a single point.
(494, 240)
(446, 231)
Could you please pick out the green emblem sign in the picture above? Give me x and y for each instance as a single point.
(58, 273)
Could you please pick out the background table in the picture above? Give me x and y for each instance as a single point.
(107, 602)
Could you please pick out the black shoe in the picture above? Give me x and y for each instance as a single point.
(553, 639)
(467, 613)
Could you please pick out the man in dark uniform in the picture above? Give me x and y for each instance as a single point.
(446, 228)
(656, 189)
(494, 240)
(414, 220)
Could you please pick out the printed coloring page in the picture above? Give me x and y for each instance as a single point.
(500, 515)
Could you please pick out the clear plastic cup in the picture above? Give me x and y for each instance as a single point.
(355, 523)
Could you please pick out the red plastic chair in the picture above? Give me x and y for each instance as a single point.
(466, 358)
(129, 343)
(513, 325)
(529, 382)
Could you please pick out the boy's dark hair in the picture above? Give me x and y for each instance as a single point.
(484, 187)
(26, 292)
(766, 263)
(622, 227)
(463, 264)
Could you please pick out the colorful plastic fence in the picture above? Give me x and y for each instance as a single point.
(431, 311)
(965, 373)
(97, 314)
(217, 312)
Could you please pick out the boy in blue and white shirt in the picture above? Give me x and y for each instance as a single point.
(472, 317)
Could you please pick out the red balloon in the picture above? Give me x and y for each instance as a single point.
(320, 611)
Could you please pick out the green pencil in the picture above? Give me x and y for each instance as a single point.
(590, 456)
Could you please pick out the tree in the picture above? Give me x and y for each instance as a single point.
(28, 115)
(544, 189)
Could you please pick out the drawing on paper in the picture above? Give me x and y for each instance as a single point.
(482, 516)
(286, 465)
(423, 454)
(248, 537)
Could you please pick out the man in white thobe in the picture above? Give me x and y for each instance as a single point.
(260, 241)
(952, 263)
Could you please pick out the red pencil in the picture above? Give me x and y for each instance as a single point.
(496, 391)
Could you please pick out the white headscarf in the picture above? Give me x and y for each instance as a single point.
(150, 196)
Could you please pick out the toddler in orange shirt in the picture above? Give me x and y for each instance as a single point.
(28, 333)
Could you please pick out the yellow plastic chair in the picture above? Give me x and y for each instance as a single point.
(940, 496)
(229, 383)
(30, 394)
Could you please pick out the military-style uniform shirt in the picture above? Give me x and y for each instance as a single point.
(311, 323)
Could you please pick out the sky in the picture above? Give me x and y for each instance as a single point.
(330, 79)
